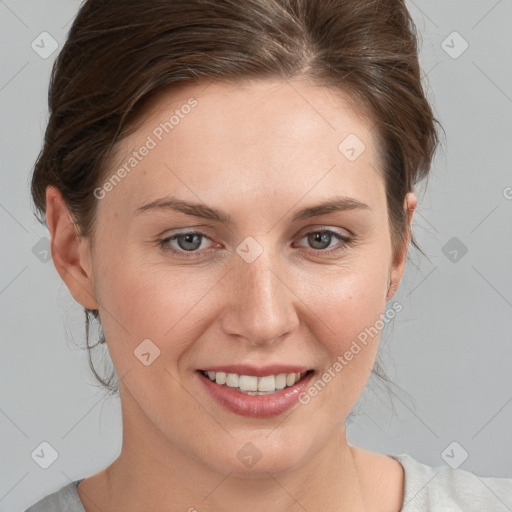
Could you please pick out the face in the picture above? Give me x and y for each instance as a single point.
(244, 271)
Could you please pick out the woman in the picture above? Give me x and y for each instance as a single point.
(229, 188)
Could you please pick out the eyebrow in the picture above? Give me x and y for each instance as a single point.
(335, 204)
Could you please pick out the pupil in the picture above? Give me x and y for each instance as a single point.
(317, 237)
(188, 240)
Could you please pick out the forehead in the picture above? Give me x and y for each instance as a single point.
(258, 112)
(267, 136)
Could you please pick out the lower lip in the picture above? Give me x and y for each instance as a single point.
(256, 406)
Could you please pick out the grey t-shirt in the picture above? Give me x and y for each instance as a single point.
(426, 489)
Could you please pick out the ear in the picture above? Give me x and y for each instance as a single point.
(398, 265)
(70, 252)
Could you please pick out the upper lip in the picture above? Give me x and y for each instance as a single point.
(256, 371)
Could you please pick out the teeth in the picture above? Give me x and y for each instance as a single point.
(219, 377)
(267, 383)
(281, 381)
(232, 380)
(251, 385)
(290, 379)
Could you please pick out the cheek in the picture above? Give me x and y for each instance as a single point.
(349, 301)
(350, 310)
(138, 302)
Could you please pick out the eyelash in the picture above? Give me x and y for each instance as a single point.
(348, 242)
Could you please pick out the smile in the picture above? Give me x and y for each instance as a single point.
(253, 385)
(258, 392)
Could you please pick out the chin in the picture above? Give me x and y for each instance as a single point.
(259, 453)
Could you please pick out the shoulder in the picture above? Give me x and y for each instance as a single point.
(445, 489)
(64, 499)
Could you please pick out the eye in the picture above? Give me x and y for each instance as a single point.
(185, 243)
(322, 239)
(188, 244)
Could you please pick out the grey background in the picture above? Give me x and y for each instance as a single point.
(449, 349)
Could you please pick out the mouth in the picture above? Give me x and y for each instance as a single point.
(256, 385)
(255, 392)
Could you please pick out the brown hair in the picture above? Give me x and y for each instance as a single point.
(120, 53)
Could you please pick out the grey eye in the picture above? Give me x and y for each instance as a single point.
(319, 240)
(189, 241)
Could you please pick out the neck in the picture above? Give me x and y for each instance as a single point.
(152, 473)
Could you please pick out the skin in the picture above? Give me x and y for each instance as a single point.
(259, 151)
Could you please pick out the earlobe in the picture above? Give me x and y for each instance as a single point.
(70, 259)
(398, 265)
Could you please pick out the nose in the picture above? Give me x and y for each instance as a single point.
(262, 306)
